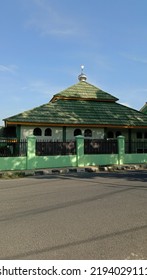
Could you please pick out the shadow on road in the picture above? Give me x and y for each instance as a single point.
(132, 175)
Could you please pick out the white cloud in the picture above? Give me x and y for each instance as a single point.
(50, 21)
(8, 68)
(41, 88)
(135, 58)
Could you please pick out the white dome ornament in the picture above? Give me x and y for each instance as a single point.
(82, 77)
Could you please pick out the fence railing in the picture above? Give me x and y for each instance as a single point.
(100, 146)
(46, 148)
(135, 147)
(13, 148)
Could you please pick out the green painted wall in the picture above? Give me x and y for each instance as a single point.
(100, 160)
(135, 158)
(12, 163)
(55, 161)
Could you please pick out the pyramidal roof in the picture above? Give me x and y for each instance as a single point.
(81, 105)
(84, 91)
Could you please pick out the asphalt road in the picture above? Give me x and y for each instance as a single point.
(77, 216)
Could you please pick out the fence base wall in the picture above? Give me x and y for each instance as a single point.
(31, 161)
(100, 160)
(55, 161)
(12, 163)
(21, 163)
(135, 158)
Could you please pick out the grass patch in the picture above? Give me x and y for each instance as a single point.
(12, 175)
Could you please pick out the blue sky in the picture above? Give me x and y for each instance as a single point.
(43, 43)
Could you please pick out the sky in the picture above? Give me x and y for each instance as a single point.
(43, 44)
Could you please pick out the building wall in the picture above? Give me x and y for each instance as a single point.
(122, 131)
(57, 132)
(97, 133)
(135, 134)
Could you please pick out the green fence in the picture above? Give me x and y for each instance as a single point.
(79, 159)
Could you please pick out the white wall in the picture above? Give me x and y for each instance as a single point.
(96, 132)
(28, 131)
(57, 133)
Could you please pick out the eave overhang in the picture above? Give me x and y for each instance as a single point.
(74, 125)
(55, 98)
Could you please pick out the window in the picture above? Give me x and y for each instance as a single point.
(88, 133)
(48, 132)
(77, 131)
(110, 134)
(139, 135)
(118, 133)
(37, 131)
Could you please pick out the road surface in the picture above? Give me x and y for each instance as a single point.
(74, 216)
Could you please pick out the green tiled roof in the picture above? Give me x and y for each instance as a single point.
(81, 112)
(82, 104)
(85, 90)
(144, 109)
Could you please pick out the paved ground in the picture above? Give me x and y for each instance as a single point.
(77, 216)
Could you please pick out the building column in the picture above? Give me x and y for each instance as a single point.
(64, 133)
(129, 140)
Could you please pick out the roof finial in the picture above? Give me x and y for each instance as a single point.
(82, 77)
(82, 68)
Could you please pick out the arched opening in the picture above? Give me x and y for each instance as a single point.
(118, 133)
(77, 131)
(48, 132)
(37, 131)
(88, 133)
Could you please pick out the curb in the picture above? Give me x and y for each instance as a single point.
(72, 170)
(89, 169)
(61, 171)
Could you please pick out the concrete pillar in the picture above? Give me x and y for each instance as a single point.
(80, 150)
(31, 152)
(121, 149)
